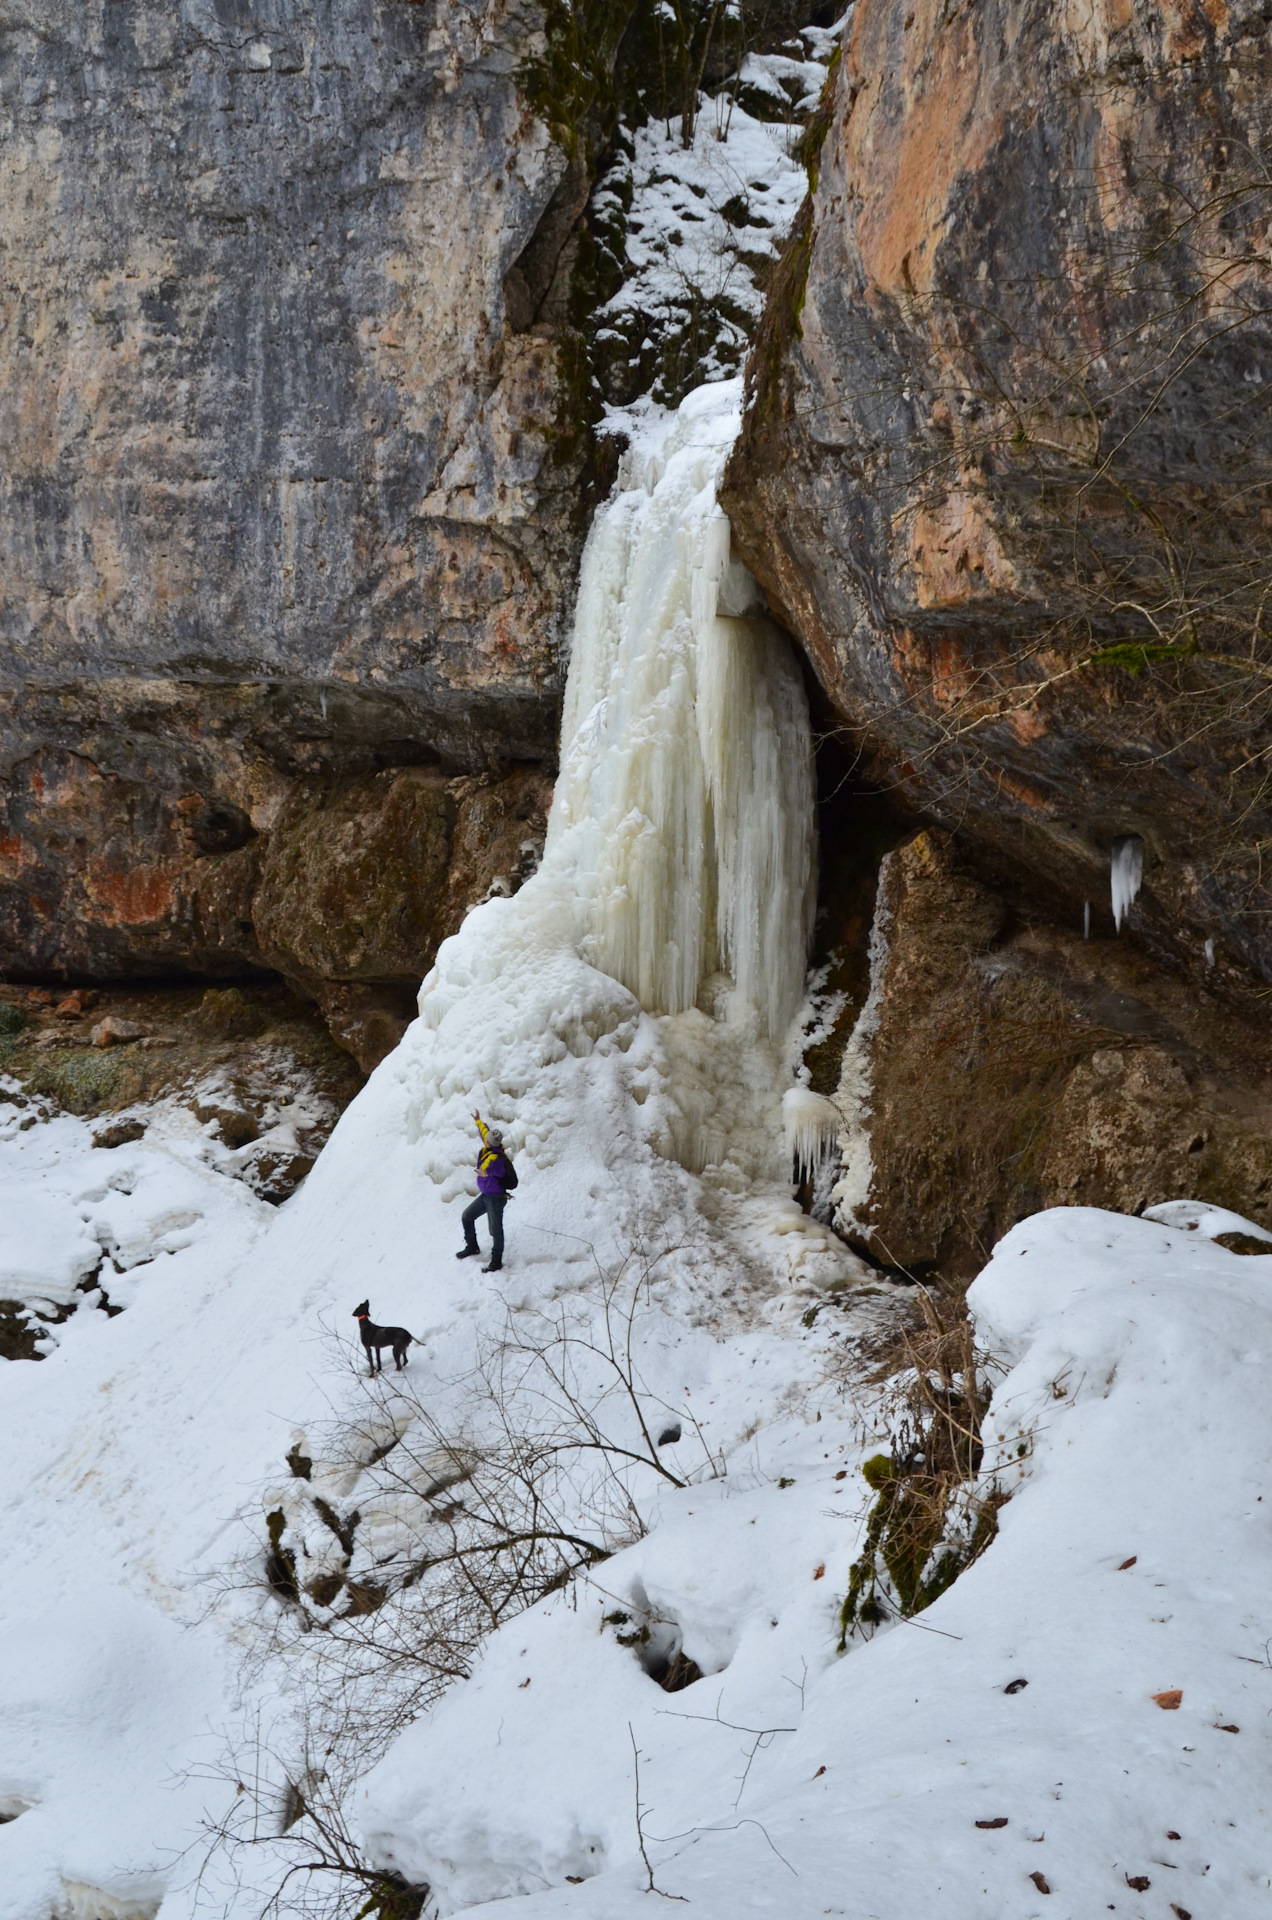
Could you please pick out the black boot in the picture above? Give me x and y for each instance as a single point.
(466, 1253)
(493, 1266)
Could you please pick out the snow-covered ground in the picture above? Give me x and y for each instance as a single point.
(1132, 1560)
(1083, 1718)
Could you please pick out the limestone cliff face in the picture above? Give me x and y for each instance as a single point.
(291, 488)
(1007, 472)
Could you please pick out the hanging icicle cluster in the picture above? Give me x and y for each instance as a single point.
(1126, 873)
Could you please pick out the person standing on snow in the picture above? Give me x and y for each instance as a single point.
(496, 1178)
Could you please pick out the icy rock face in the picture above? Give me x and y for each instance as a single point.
(969, 377)
(287, 492)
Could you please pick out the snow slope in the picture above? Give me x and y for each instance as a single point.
(1132, 1561)
(141, 1457)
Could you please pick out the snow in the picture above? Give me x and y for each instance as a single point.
(70, 1211)
(677, 237)
(1127, 1565)
(692, 232)
(1198, 1216)
(785, 81)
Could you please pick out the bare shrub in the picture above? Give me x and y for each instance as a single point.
(930, 1518)
(285, 1828)
(422, 1518)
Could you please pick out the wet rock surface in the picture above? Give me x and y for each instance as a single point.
(1008, 470)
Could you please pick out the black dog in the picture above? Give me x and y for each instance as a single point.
(374, 1338)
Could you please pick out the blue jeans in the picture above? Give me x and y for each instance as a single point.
(492, 1205)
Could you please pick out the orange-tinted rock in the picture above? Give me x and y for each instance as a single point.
(995, 429)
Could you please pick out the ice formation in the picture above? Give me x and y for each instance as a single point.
(851, 1191)
(683, 813)
(812, 1127)
(1126, 872)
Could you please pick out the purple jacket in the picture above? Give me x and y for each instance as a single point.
(492, 1173)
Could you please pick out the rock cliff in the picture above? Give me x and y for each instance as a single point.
(1011, 1065)
(1007, 471)
(293, 488)
(1007, 475)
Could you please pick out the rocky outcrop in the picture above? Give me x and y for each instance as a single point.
(1010, 1065)
(1007, 471)
(345, 889)
(293, 488)
(362, 879)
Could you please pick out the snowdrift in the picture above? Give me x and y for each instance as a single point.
(1083, 1719)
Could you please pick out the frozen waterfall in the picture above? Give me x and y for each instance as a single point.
(678, 875)
(684, 804)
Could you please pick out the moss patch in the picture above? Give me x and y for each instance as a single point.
(86, 1080)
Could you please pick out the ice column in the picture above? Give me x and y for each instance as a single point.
(685, 800)
(813, 1126)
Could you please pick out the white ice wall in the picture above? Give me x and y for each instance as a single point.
(684, 808)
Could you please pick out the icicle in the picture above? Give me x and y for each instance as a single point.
(1126, 874)
(1086, 919)
(685, 800)
(812, 1127)
(1210, 952)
